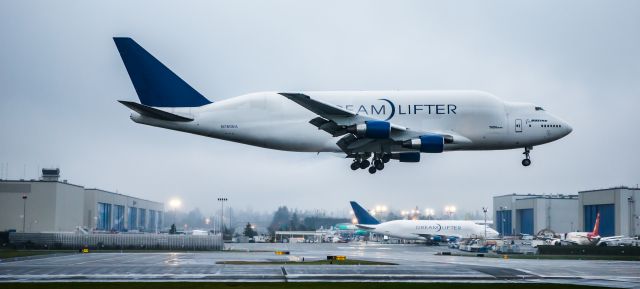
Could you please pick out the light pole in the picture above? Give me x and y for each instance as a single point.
(429, 213)
(24, 212)
(222, 200)
(450, 210)
(174, 204)
(484, 209)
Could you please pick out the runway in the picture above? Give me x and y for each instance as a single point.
(415, 263)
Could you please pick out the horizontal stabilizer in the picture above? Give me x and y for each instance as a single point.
(154, 112)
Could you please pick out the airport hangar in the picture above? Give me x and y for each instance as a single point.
(530, 214)
(51, 205)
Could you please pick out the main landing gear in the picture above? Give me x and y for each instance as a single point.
(527, 161)
(376, 164)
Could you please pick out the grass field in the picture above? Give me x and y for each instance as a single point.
(316, 262)
(554, 257)
(305, 285)
(6, 254)
(575, 257)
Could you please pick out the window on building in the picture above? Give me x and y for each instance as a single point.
(160, 220)
(153, 225)
(104, 217)
(143, 219)
(118, 218)
(133, 218)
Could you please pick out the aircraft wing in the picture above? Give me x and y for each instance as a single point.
(337, 122)
(611, 238)
(364, 227)
(331, 112)
(426, 236)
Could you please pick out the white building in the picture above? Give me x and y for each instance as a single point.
(618, 208)
(530, 214)
(48, 204)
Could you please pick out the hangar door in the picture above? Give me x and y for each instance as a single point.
(607, 219)
(503, 224)
(525, 219)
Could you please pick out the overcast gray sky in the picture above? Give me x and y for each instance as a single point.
(60, 77)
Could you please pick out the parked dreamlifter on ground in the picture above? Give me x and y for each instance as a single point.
(371, 127)
(427, 230)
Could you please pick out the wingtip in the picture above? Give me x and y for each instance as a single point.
(293, 94)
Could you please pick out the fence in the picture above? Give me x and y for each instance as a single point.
(589, 250)
(117, 241)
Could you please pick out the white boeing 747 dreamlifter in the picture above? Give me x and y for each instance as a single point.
(371, 127)
(428, 230)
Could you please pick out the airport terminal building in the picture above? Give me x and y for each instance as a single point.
(50, 205)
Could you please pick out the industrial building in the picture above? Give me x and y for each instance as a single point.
(530, 214)
(618, 208)
(51, 205)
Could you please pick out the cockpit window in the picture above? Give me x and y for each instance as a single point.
(539, 108)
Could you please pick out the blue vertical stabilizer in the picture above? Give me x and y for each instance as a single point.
(155, 84)
(364, 218)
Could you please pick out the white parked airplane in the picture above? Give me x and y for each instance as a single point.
(421, 229)
(364, 125)
(583, 238)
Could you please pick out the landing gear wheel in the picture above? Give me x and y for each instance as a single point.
(379, 165)
(364, 164)
(526, 162)
(386, 158)
(355, 165)
(372, 170)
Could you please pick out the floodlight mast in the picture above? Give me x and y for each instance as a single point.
(222, 200)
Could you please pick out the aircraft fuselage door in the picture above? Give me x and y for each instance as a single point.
(518, 125)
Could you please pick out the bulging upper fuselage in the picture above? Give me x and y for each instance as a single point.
(267, 119)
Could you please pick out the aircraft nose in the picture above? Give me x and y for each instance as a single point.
(567, 128)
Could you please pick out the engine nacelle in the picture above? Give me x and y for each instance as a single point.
(406, 157)
(372, 129)
(431, 143)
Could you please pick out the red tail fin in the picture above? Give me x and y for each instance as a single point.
(596, 227)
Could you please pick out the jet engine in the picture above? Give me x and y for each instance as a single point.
(371, 129)
(431, 143)
(406, 157)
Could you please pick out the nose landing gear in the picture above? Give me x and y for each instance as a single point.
(527, 161)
